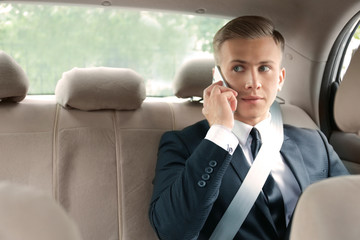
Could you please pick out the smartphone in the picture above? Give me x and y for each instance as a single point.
(218, 76)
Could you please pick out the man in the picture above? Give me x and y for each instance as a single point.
(200, 168)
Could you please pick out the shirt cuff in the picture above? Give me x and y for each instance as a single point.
(222, 137)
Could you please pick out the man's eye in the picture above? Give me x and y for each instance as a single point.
(264, 68)
(238, 69)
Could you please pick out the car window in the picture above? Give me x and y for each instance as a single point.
(352, 47)
(47, 40)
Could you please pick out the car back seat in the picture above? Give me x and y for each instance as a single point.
(346, 140)
(94, 149)
(103, 139)
(26, 153)
(26, 130)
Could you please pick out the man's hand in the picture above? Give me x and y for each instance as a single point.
(219, 105)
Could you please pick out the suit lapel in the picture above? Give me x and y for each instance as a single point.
(293, 157)
(238, 157)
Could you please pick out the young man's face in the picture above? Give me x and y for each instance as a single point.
(252, 68)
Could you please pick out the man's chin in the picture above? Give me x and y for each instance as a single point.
(250, 119)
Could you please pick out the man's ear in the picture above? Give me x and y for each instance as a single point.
(281, 79)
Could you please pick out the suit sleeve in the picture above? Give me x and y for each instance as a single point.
(186, 185)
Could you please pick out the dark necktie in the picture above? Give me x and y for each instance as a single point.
(255, 142)
(271, 190)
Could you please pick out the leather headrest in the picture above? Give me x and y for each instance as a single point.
(193, 77)
(101, 88)
(346, 109)
(14, 83)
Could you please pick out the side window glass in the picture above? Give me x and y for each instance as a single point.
(352, 47)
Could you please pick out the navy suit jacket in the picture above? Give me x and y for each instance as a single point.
(185, 206)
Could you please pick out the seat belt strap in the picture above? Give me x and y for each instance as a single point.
(254, 181)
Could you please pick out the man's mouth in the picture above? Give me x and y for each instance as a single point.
(251, 98)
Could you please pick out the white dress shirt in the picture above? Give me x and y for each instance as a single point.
(281, 173)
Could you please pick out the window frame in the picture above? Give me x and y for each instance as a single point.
(331, 77)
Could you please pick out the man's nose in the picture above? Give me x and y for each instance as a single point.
(252, 81)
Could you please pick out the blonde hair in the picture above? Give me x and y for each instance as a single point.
(246, 27)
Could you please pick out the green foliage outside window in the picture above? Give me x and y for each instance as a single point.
(357, 33)
(48, 40)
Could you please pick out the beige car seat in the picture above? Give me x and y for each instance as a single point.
(28, 214)
(327, 210)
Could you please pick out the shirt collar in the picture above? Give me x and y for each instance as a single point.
(242, 130)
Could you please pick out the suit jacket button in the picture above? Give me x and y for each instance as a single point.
(205, 176)
(209, 170)
(201, 183)
(212, 163)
